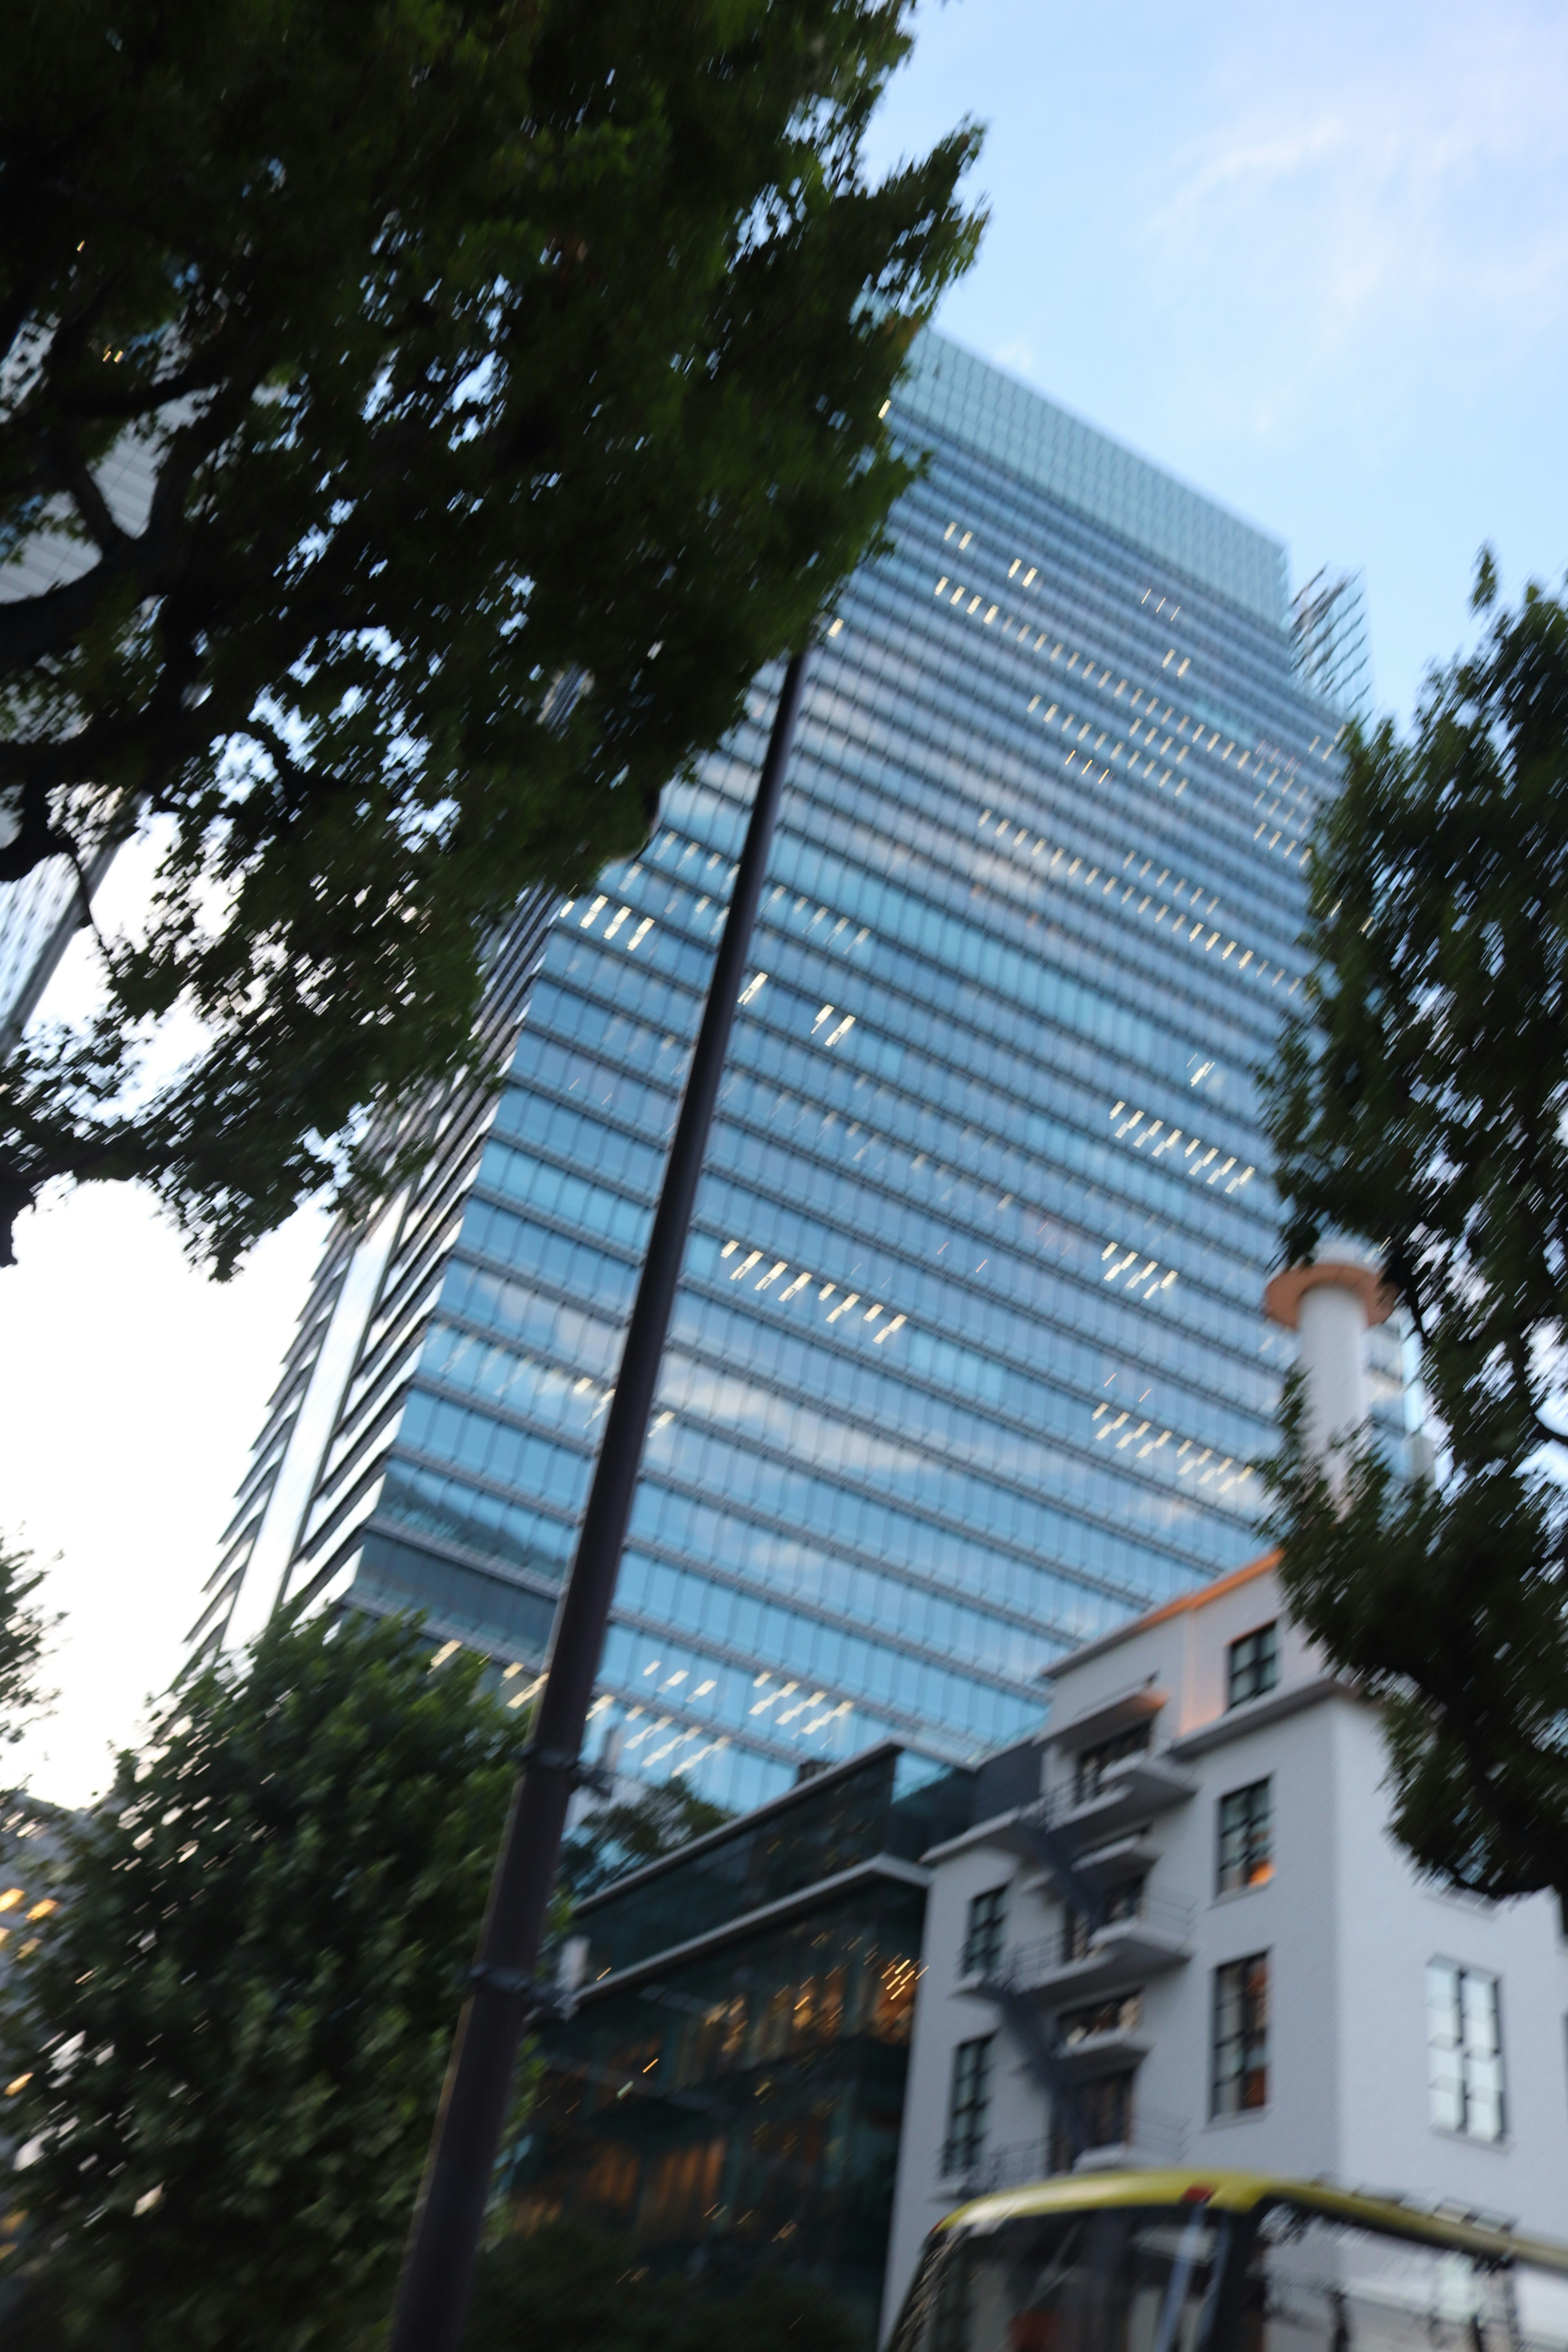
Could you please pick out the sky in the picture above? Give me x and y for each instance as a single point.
(1316, 262)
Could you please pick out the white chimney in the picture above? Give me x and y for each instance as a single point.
(1332, 1303)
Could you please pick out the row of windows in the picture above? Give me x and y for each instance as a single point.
(769, 1249)
(1002, 425)
(1123, 954)
(1001, 1110)
(653, 1678)
(900, 670)
(842, 1661)
(531, 1318)
(582, 1139)
(1085, 592)
(777, 1566)
(1005, 1318)
(543, 1069)
(588, 1208)
(958, 687)
(891, 1437)
(555, 1395)
(1032, 1595)
(1027, 1102)
(1156, 1339)
(1136, 1574)
(904, 958)
(963, 1371)
(984, 1376)
(971, 958)
(863, 1518)
(1099, 573)
(1054, 1609)
(992, 1404)
(923, 1226)
(887, 1607)
(946, 1120)
(1052, 863)
(811, 1243)
(917, 1497)
(961, 761)
(827, 1660)
(991, 1183)
(1147, 728)
(1464, 2042)
(506, 1526)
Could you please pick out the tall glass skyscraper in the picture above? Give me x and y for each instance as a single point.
(968, 1359)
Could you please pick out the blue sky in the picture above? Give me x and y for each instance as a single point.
(1314, 260)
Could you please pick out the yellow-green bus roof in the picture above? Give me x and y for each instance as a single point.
(1243, 2192)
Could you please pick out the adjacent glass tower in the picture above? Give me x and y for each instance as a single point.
(968, 1359)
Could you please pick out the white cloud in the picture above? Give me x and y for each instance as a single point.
(1410, 214)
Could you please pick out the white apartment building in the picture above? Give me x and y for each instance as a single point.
(1203, 1946)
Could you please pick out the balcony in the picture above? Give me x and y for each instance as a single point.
(1134, 1789)
(1073, 1965)
(1110, 1866)
(1113, 2052)
(1157, 2141)
(978, 2173)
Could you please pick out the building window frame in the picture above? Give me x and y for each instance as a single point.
(1238, 2047)
(1243, 1840)
(968, 2103)
(1091, 1765)
(1252, 1664)
(1108, 2105)
(1466, 2085)
(984, 1932)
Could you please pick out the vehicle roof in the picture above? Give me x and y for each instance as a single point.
(1246, 2192)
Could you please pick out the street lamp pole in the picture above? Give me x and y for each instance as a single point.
(433, 2293)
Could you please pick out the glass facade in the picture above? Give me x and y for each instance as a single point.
(730, 2091)
(968, 1359)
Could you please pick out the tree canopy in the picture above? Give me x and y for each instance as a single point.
(419, 421)
(577, 2290)
(231, 2032)
(1422, 1103)
(25, 1631)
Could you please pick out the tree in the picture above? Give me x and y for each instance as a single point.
(24, 1637)
(616, 1838)
(576, 2290)
(505, 389)
(235, 2024)
(1422, 1103)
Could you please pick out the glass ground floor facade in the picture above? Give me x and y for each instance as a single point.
(730, 2095)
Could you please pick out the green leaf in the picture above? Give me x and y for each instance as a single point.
(460, 349)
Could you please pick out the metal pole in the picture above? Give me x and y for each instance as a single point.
(433, 2294)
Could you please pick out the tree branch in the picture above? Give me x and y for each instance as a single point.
(81, 485)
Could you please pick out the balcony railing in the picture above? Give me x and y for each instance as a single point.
(1158, 2139)
(1135, 1788)
(1155, 1934)
(977, 2172)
